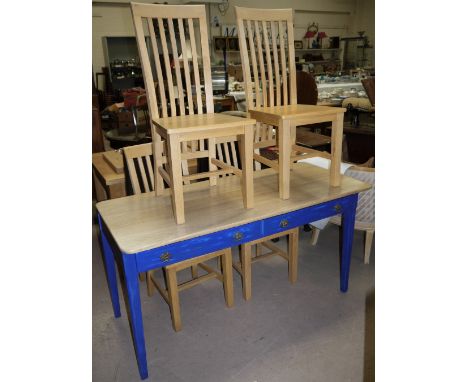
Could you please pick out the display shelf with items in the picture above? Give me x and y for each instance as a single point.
(319, 60)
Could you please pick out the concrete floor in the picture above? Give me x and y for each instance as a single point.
(308, 331)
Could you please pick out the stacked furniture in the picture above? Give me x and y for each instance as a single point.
(141, 231)
(175, 123)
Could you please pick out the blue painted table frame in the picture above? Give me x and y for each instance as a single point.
(143, 261)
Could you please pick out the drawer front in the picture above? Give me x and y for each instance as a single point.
(173, 253)
(198, 246)
(303, 216)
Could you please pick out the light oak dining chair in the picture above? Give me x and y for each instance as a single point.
(226, 151)
(180, 33)
(141, 174)
(266, 38)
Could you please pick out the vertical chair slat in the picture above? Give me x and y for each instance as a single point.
(188, 82)
(292, 65)
(196, 73)
(143, 174)
(226, 150)
(175, 58)
(275, 62)
(245, 68)
(146, 65)
(167, 65)
(234, 154)
(258, 101)
(284, 76)
(206, 65)
(150, 170)
(154, 45)
(269, 67)
(261, 63)
(133, 176)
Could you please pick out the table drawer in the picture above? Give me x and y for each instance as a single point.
(300, 217)
(198, 246)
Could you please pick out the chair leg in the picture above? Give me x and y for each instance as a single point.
(314, 235)
(246, 265)
(158, 156)
(149, 284)
(246, 142)
(226, 259)
(284, 146)
(368, 245)
(175, 174)
(292, 254)
(194, 271)
(212, 154)
(336, 147)
(173, 297)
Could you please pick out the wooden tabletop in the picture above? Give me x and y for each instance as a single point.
(189, 123)
(291, 111)
(142, 222)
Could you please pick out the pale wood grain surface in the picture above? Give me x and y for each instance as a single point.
(143, 222)
(115, 160)
(292, 111)
(106, 171)
(189, 123)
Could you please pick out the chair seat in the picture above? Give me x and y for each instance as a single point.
(200, 122)
(291, 112)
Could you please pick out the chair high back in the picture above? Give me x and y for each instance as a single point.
(140, 167)
(138, 159)
(186, 29)
(262, 33)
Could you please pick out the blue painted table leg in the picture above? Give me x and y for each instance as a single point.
(136, 320)
(110, 269)
(347, 222)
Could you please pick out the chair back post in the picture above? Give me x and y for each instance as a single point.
(260, 31)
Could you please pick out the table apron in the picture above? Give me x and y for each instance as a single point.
(173, 253)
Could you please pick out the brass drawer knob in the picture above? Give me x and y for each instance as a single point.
(337, 208)
(166, 256)
(238, 235)
(284, 223)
